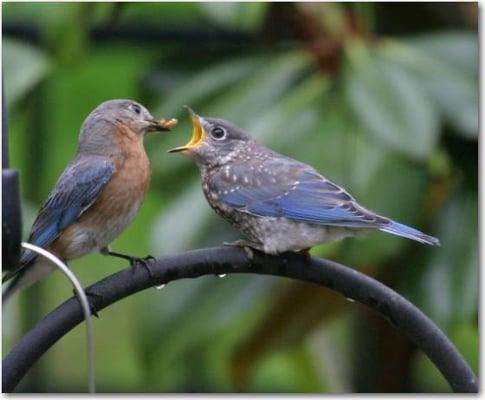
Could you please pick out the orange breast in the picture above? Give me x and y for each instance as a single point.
(116, 206)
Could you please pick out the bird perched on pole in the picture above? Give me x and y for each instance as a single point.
(278, 203)
(98, 194)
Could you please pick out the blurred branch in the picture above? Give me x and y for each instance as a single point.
(322, 43)
(144, 34)
(350, 283)
(325, 28)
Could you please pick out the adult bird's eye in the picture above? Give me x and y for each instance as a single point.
(218, 133)
(136, 108)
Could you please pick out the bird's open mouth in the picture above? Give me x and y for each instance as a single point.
(198, 134)
(162, 125)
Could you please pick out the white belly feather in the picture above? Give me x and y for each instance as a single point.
(87, 239)
(282, 235)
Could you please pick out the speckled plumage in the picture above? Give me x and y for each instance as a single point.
(278, 203)
(270, 234)
(98, 194)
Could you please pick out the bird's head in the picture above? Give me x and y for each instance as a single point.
(117, 119)
(214, 141)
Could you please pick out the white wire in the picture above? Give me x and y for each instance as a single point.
(84, 305)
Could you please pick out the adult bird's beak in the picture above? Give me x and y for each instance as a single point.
(161, 125)
(198, 134)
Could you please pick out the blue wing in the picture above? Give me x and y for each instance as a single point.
(75, 191)
(294, 191)
(285, 188)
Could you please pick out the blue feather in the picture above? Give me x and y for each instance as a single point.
(406, 231)
(76, 189)
(303, 195)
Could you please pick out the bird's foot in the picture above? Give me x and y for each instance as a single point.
(304, 253)
(134, 261)
(106, 251)
(93, 298)
(248, 247)
(308, 257)
(143, 261)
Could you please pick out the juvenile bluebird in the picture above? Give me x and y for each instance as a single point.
(98, 194)
(278, 203)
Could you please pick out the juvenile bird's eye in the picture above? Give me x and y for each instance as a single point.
(218, 133)
(136, 108)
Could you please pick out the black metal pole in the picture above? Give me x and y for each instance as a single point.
(11, 215)
(5, 158)
(347, 281)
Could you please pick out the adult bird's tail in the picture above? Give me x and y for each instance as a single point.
(13, 276)
(26, 274)
(11, 288)
(406, 231)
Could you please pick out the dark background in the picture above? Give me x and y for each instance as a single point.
(381, 98)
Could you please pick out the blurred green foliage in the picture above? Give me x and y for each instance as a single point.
(391, 114)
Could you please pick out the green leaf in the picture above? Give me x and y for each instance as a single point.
(390, 103)
(65, 30)
(446, 67)
(205, 83)
(282, 123)
(458, 50)
(207, 306)
(24, 66)
(449, 282)
(290, 371)
(426, 377)
(170, 14)
(180, 224)
(377, 179)
(250, 99)
(246, 16)
(466, 338)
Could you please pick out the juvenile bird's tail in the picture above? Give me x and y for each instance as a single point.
(406, 231)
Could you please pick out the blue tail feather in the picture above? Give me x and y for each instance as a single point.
(406, 231)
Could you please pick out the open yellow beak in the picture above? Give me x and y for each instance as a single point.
(198, 134)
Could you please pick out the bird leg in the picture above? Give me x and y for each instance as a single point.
(246, 245)
(92, 297)
(306, 253)
(134, 261)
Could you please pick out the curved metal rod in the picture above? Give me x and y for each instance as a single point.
(225, 260)
(84, 305)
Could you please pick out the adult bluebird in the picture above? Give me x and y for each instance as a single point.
(278, 203)
(98, 194)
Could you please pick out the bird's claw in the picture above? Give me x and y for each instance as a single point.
(245, 245)
(143, 261)
(249, 252)
(134, 261)
(308, 257)
(92, 299)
